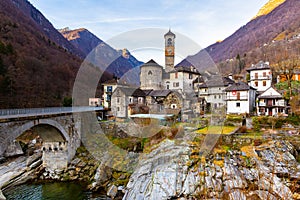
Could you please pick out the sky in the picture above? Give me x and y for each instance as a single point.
(202, 21)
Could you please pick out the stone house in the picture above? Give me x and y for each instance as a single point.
(122, 97)
(213, 91)
(240, 98)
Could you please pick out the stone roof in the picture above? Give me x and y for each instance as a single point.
(170, 33)
(216, 81)
(151, 63)
(259, 66)
(135, 92)
(160, 93)
(111, 81)
(199, 80)
(240, 86)
(147, 92)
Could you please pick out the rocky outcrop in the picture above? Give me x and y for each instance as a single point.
(171, 171)
(2, 197)
(13, 149)
(161, 174)
(18, 171)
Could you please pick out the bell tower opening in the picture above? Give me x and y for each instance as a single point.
(169, 50)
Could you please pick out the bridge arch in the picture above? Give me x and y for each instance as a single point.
(35, 123)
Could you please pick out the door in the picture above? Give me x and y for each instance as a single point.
(270, 112)
(238, 95)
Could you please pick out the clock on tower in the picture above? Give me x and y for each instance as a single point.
(169, 50)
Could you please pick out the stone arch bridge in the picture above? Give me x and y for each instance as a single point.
(59, 128)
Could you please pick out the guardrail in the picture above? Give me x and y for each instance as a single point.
(49, 110)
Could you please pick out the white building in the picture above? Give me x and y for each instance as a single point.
(240, 98)
(260, 76)
(271, 103)
(95, 102)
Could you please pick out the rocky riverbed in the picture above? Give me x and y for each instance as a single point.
(178, 171)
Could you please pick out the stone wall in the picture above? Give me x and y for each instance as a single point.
(69, 126)
(55, 155)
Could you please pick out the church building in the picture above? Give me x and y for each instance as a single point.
(167, 89)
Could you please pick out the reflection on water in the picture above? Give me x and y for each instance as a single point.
(50, 191)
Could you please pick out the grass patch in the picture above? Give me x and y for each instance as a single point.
(252, 135)
(217, 130)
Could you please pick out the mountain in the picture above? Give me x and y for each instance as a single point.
(116, 62)
(44, 26)
(81, 39)
(268, 7)
(38, 65)
(272, 24)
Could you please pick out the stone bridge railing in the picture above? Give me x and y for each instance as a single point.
(25, 112)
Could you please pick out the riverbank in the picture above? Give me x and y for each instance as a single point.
(240, 166)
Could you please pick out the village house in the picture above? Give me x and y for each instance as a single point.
(294, 75)
(240, 98)
(213, 91)
(260, 76)
(124, 97)
(108, 88)
(271, 103)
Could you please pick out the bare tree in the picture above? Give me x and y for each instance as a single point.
(285, 63)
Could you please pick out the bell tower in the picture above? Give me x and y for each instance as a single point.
(169, 50)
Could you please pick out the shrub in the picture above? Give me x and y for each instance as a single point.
(293, 119)
(242, 129)
(262, 121)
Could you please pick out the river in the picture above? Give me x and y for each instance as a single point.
(51, 191)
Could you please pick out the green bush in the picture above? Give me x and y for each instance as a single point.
(234, 119)
(293, 119)
(262, 121)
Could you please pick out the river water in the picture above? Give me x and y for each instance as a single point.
(51, 191)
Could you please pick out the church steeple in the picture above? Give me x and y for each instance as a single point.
(169, 50)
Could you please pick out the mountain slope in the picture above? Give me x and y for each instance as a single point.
(82, 39)
(116, 62)
(268, 7)
(35, 71)
(260, 31)
(44, 26)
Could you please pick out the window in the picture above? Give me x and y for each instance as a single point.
(176, 84)
(150, 73)
(169, 42)
(219, 96)
(238, 104)
(190, 76)
(109, 88)
(168, 87)
(176, 75)
(215, 97)
(256, 83)
(264, 74)
(118, 100)
(130, 99)
(256, 75)
(118, 108)
(238, 95)
(264, 83)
